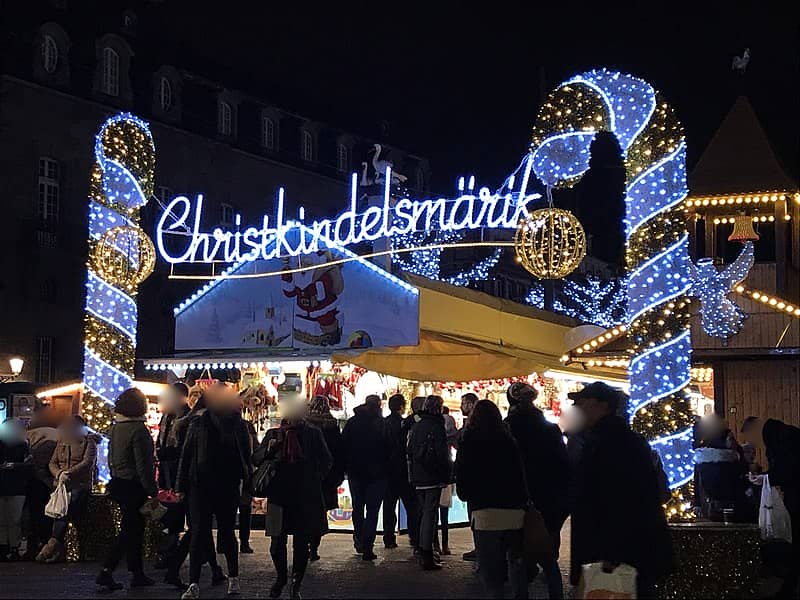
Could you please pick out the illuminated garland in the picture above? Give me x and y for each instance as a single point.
(657, 259)
(596, 301)
(121, 256)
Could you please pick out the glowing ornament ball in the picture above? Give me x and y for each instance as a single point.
(550, 243)
(125, 256)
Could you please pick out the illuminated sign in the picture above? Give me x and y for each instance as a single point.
(181, 220)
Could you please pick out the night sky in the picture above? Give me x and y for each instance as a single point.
(461, 85)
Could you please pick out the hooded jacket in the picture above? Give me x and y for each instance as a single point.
(429, 463)
(42, 441)
(366, 444)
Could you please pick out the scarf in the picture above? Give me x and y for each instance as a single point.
(293, 451)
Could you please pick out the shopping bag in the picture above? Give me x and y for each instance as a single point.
(58, 505)
(619, 584)
(537, 546)
(446, 497)
(773, 518)
(273, 520)
(153, 510)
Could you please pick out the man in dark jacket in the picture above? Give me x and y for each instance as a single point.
(174, 406)
(468, 402)
(399, 488)
(618, 517)
(429, 470)
(544, 456)
(782, 444)
(367, 451)
(215, 467)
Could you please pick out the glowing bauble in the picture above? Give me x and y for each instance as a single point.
(550, 243)
(125, 256)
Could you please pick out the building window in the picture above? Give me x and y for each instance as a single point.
(308, 146)
(163, 193)
(110, 83)
(342, 158)
(47, 206)
(227, 214)
(47, 291)
(44, 359)
(165, 94)
(268, 133)
(49, 54)
(224, 118)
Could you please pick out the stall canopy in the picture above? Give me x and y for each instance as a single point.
(467, 335)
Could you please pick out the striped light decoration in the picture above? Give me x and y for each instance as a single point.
(121, 256)
(657, 258)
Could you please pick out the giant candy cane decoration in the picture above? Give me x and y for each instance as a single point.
(657, 258)
(121, 256)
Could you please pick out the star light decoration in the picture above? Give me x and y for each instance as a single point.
(121, 256)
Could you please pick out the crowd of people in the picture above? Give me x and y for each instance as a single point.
(512, 473)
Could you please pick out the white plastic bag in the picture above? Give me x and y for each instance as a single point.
(58, 505)
(620, 584)
(773, 518)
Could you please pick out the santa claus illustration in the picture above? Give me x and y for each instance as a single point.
(316, 293)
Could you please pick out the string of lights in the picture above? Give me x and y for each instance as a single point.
(120, 257)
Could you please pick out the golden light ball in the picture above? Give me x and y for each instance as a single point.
(550, 243)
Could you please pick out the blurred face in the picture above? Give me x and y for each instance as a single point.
(222, 400)
(573, 419)
(12, 431)
(293, 409)
(754, 434)
(466, 406)
(592, 410)
(71, 428)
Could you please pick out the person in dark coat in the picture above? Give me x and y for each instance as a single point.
(782, 445)
(399, 488)
(491, 478)
(16, 471)
(319, 415)
(42, 438)
(468, 402)
(618, 517)
(367, 449)
(544, 455)
(720, 472)
(131, 460)
(174, 406)
(215, 467)
(175, 560)
(246, 500)
(429, 470)
(302, 462)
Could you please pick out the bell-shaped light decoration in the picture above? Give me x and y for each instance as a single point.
(743, 230)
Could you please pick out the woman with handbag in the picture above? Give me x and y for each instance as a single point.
(319, 415)
(131, 461)
(72, 463)
(293, 461)
(491, 478)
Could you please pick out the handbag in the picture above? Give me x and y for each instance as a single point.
(58, 505)
(153, 510)
(619, 584)
(773, 518)
(536, 545)
(273, 520)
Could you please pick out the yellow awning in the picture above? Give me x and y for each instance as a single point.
(467, 335)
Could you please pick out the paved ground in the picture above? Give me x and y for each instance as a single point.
(340, 574)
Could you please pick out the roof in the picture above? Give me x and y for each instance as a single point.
(739, 158)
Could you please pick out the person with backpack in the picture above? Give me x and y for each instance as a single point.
(491, 478)
(299, 460)
(544, 455)
(368, 451)
(319, 415)
(430, 470)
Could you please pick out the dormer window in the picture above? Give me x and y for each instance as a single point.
(342, 158)
(165, 94)
(49, 54)
(268, 133)
(110, 81)
(224, 118)
(308, 146)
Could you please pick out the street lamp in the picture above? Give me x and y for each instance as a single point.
(16, 363)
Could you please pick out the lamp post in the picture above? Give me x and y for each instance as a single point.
(16, 363)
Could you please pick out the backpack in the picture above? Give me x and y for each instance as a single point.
(426, 455)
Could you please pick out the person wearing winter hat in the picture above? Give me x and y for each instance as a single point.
(544, 456)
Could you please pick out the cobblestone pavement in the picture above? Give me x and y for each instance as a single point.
(340, 574)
